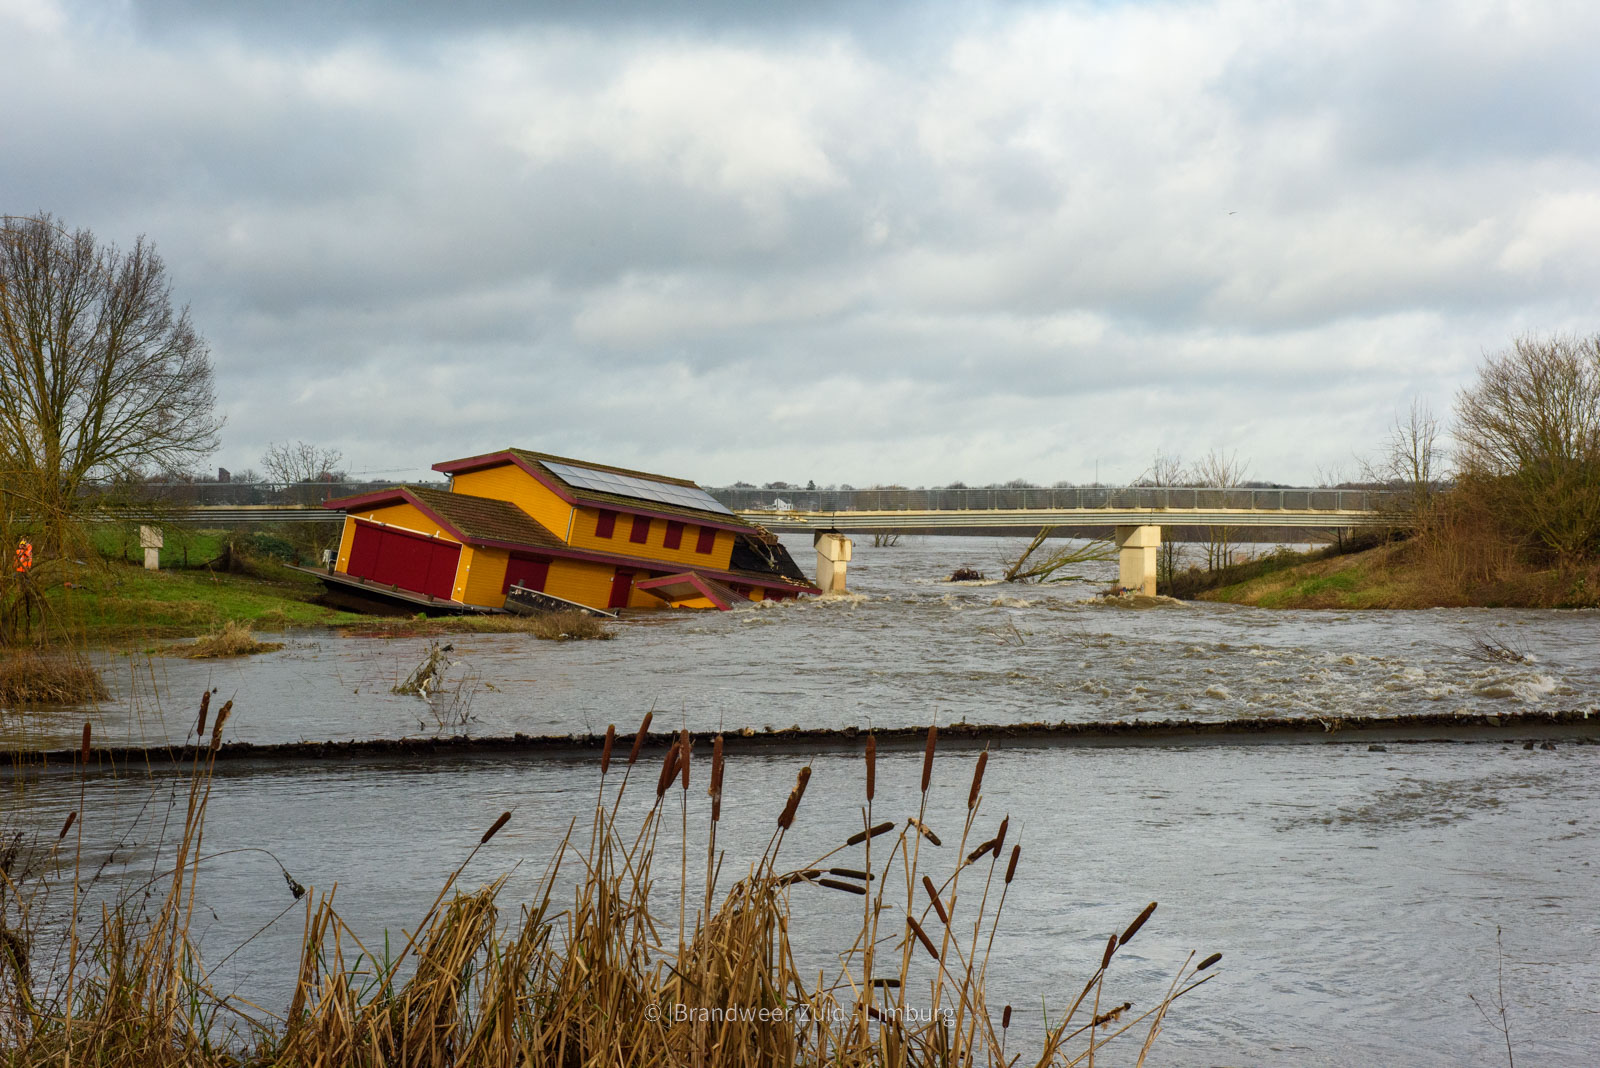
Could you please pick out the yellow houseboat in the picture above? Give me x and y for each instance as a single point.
(597, 536)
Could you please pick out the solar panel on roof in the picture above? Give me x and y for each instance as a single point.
(643, 489)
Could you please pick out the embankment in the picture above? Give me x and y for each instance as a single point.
(1526, 728)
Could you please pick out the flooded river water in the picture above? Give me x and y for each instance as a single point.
(1355, 893)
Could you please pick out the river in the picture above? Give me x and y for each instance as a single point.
(1355, 894)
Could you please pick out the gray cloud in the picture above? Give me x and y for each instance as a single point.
(971, 241)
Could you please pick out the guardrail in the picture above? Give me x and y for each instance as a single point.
(1064, 498)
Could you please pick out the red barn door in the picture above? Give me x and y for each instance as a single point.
(400, 558)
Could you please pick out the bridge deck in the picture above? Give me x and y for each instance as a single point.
(1063, 517)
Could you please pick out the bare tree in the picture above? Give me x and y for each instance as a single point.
(1410, 466)
(302, 462)
(1166, 471)
(1529, 442)
(101, 378)
(1224, 471)
(1032, 566)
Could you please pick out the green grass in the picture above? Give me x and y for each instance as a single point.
(112, 602)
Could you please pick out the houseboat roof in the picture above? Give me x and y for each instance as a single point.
(604, 484)
(480, 520)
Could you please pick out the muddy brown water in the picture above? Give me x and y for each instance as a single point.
(1355, 893)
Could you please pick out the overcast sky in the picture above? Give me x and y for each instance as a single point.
(862, 243)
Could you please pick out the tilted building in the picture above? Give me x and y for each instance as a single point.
(599, 536)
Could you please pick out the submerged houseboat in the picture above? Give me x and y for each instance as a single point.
(523, 527)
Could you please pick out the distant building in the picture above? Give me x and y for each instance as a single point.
(599, 536)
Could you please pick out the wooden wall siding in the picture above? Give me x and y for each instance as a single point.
(655, 546)
(482, 575)
(528, 572)
(508, 482)
(581, 581)
(401, 514)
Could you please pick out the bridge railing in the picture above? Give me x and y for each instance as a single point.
(742, 499)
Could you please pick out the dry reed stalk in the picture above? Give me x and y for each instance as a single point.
(938, 904)
(786, 819)
(870, 833)
(639, 737)
(927, 757)
(1138, 922)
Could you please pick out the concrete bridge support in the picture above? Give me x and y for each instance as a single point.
(1136, 558)
(833, 558)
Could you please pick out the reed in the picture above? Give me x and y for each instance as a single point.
(29, 678)
(590, 980)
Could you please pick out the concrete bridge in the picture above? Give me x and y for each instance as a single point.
(1133, 514)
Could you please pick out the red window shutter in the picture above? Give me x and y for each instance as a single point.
(674, 535)
(605, 523)
(707, 540)
(641, 529)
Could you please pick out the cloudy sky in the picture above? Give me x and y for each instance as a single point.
(908, 242)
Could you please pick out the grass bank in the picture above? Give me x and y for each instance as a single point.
(1400, 574)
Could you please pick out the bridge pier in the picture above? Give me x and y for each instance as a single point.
(1136, 558)
(833, 558)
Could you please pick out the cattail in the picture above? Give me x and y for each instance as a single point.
(1011, 869)
(84, 755)
(1209, 961)
(669, 768)
(716, 779)
(1111, 947)
(923, 830)
(835, 884)
(605, 751)
(807, 875)
(976, 854)
(892, 984)
(872, 765)
(873, 832)
(786, 820)
(1138, 922)
(684, 746)
(638, 739)
(1108, 1017)
(1005, 1018)
(977, 780)
(494, 828)
(852, 873)
(922, 936)
(927, 757)
(205, 706)
(938, 905)
(216, 729)
(67, 826)
(1000, 837)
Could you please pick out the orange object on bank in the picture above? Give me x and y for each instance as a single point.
(24, 557)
